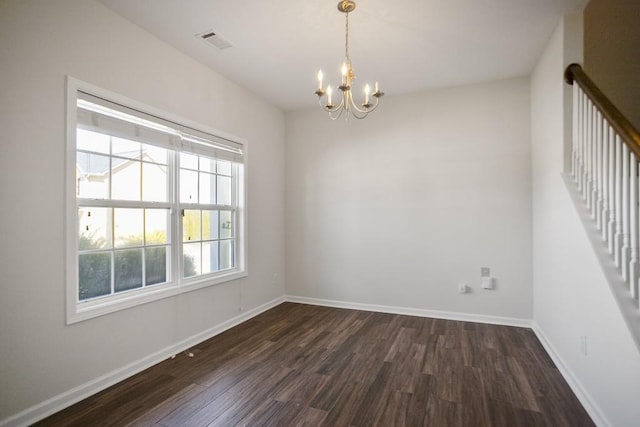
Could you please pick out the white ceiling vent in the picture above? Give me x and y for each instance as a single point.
(215, 39)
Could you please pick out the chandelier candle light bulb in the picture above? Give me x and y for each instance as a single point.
(347, 104)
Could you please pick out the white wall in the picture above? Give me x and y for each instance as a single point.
(571, 296)
(40, 43)
(397, 209)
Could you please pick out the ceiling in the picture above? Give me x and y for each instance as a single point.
(407, 45)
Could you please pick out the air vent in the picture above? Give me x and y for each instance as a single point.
(215, 39)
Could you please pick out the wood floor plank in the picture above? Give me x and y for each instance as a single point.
(301, 389)
(442, 413)
(303, 365)
(164, 408)
(351, 396)
(396, 409)
(189, 408)
(417, 406)
(309, 417)
(475, 410)
(330, 393)
(372, 405)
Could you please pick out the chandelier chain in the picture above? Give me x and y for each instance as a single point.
(346, 38)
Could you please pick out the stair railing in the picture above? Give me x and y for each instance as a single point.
(604, 166)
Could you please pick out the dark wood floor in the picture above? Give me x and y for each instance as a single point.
(316, 366)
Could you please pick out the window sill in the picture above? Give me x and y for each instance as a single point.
(80, 311)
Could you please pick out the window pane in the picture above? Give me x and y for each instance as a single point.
(94, 228)
(224, 168)
(125, 148)
(207, 165)
(125, 179)
(128, 269)
(156, 226)
(155, 261)
(226, 254)
(154, 183)
(92, 176)
(209, 225)
(154, 154)
(128, 227)
(191, 262)
(226, 226)
(188, 161)
(191, 225)
(92, 141)
(209, 257)
(94, 274)
(224, 190)
(207, 188)
(188, 186)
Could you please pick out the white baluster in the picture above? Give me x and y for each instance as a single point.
(597, 136)
(626, 242)
(596, 157)
(587, 153)
(581, 152)
(611, 226)
(589, 186)
(633, 225)
(604, 213)
(585, 148)
(618, 236)
(574, 134)
(578, 176)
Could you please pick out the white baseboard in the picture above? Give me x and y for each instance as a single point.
(448, 315)
(581, 393)
(68, 398)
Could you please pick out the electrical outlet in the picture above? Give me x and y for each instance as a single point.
(485, 272)
(462, 288)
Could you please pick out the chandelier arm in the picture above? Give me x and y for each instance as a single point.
(366, 110)
(339, 107)
(359, 116)
(357, 112)
(336, 116)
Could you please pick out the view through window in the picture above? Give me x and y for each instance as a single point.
(158, 205)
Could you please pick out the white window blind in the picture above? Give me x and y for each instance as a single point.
(95, 113)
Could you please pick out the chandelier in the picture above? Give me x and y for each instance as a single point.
(347, 105)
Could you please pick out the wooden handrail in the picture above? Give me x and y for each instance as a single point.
(624, 128)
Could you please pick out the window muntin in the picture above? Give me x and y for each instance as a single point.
(208, 241)
(140, 181)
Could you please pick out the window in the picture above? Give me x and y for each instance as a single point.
(157, 207)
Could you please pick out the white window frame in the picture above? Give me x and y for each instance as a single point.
(76, 310)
